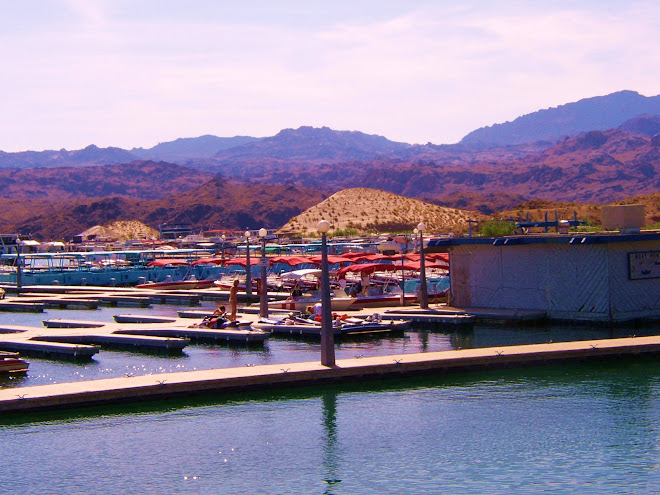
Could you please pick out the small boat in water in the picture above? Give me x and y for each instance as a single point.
(341, 326)
(10, 362)
(338, 301)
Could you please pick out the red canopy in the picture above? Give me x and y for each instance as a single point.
(167, 261)
(367, 268)
(254, 260)
(290, 260)
(437, 256)
(332, 259)
(369, 257)
(415, 265)
(429, 256)
(206, 261)
(353, 255)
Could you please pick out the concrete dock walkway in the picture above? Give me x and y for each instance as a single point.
(168, 385)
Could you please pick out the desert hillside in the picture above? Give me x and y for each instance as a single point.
(366, 209)
(123, 230)
(591, 213)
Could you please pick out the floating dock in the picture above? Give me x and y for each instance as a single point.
(117, 341)
(22, 307)
(51, 350)
(142, 319)
(63, 323)
(229, 380)
(233, 335)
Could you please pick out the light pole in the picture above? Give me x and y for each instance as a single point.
(327, 337)
(403, 240)
(263, 301)
(19, 276)
(424, 296)
(223, 245)
(248, 268)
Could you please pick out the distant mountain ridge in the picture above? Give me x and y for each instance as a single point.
(184, 149)
(324, 145)
(313, 144)
(264, 181)
(599, 113)
(91, 155)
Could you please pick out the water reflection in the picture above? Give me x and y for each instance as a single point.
(330, 451)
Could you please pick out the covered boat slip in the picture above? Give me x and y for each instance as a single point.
(103, 268)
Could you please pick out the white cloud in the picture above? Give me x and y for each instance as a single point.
(433, 73)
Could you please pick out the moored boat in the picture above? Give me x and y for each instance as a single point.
(10, 362)
(338, 302)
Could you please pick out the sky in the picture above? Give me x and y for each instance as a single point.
(134, 73)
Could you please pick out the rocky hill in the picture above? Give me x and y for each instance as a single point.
(364, 209)
(122, 230)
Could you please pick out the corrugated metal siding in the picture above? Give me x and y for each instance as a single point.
(578, 280)
(523, 273)
(581, 281)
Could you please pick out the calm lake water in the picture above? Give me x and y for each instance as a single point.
(582, 428)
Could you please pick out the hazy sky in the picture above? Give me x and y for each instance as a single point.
(133, 73)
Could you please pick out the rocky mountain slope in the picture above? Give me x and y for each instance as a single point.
(364, 209)
(139, 179)
(215, 204)
(590, 114)
(254, 182)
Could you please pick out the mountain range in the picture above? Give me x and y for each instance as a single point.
(595, 150)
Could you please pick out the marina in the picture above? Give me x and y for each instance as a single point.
(159, 360)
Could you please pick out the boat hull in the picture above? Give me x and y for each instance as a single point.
(180, 285)
(13, 365)
(301, 304)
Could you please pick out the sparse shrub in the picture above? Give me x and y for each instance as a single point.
(347, 232)
(590, 226)
(497, 228)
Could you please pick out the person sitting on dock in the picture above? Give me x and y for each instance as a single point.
(220, 311)
(214, 322)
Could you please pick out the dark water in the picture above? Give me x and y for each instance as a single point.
(110, 364)
(582, 428)
(571, 429)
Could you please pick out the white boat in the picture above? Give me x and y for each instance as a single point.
(338, 302)
(177, 284)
